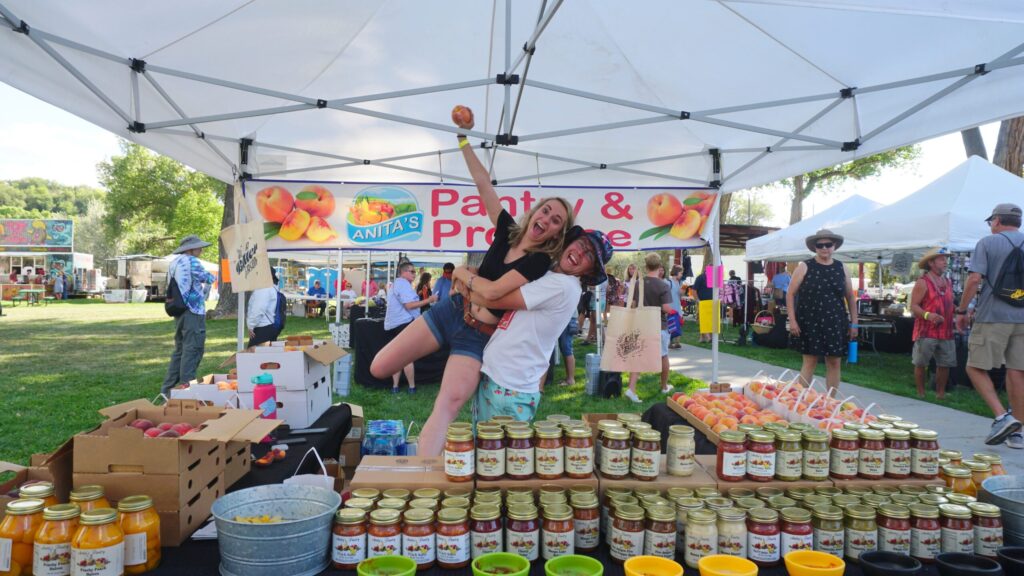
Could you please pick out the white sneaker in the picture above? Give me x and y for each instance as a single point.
(1015, 440)
(632, 396)
(667, 389)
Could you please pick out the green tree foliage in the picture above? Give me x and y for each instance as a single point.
(41, 198)
(153, 201)
(748, 207)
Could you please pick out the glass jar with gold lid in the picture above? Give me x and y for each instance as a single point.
(680, 453)
(959, 479)
(52, 545)
(370, 494)
(994, 460)
(141, 526)
(98, 541)
(89, 497)
(39, 491)
(399, 493)
(18, 527)
(980, 471)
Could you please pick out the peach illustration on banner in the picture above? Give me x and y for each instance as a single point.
(682, 219)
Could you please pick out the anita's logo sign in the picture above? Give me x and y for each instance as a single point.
(383, 214)
(246, 260)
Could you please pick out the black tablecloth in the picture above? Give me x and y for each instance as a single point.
(367, 338)
(660, 417)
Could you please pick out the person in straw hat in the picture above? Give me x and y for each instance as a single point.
(817, 316)
(931, 303)
(190, 328)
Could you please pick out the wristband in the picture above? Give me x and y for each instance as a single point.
(463, 141)
(926, 315)
(855, 326)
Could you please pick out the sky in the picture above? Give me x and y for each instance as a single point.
(37, 139)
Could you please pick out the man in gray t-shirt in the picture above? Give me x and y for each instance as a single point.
(997, 337)
(656, 293)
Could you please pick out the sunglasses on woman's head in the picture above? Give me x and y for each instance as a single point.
(824, 245)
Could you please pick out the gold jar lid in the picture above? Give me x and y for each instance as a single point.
(552, 498)
(424, 503)
(455, 502)
(870, 434)
(643, 491)
(794, 514)
(484, 512)
(780, 502)
(578, 432)
(24, 506)
(87, 493)
(894, 511)
(134, 504)
(798, 493)
(812, 500)
(418, 516)
(766, 492)
(489, 433)
(603, 425)
(452, 515)
(956, 471)
(629, 512)
(788, 435)
(574, 424)
(799, 426)
(613, 491)
(97, 517)
(922, 434)
(582, 489)
(392, 503)
(463, 425)
(558, 418)
(884, 490)
(904, 425)
(763, 515)
(858, 490)
(749, 428)
(734, 436)
(502, 419)
(875, 500)
(552, 489)
(637, 426)
(731, 513)
(647, 435)
(522, 512)
(680, 430)
(844, 434)
(977, 466)
(707, 492)
(38, 490)
(897, 434)
(961, 499)
(487, 498)
(400, 493)
(584, 501)
(955, 511)
(679, 492)
(519, 433)
(815, 435)
(515, 425)
(648, 496)
(661, 514)
(458, 493)
(653, 502)
(717, 502)
(938, 489)
(518, 498)
(735, 493)
(628, 417)
(361, 503)
(616, 434)
(879, 425)
(844, 500)
(761, 436)
(990, 457)
(749, 503)
(984, 509)
(519, 490)
(912, 489)
(546, 425)
(951, 454)
(889, 418)
(855, 426)
(459, 434)
(860, 512)
(368, 493)
(60, 512)
(923, 511)
(349, 516)
(828, 512)
(904, 499)
(933, 499)
(689, 504)
(557, 512)
(621, 500)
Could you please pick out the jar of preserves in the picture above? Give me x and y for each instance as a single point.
(615, 452)
(897, 453)
(141, 526)
(51, 548)
(994, 460)
(732, 532)
(980, 471)
(645, 461)
(550, 453)
(660, 533)
(425, 504)
(371, 494)
(681, 450)
(777, 503)
(683, 506)
(490, 453)
(363, 504)
(522, 532)
(431, 493)
(763, 537)
(611, 494)
(17, 533)
(871, 457)
(557, 533)
(816, 455)
(894, 528)
(392, 503)
(384, 534)
(348, 541)
(731, 464)
(957, 528)
(614, 505)
(701, 536)
(789, 456)
(988, 528)
(767, 492)
(89, 497)
(844, 454)
(924, 453)
(861, 531)
(799, 493)
(812, 500)
(602, 426)
(39, 491)
(960, 480)
(627, 533)
(760, 456)
(519, 453)
(459, 451)
(797, 532)
(586, 522)
(627, 418)
(485, 530)
(453, 540)
(99, 541)
(418, 537)
(829, 532)
(579, 453)
(925, 532)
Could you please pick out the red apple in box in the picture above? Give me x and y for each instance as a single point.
(152, 432)
(141, 424)
(165, 426)
(182, 428)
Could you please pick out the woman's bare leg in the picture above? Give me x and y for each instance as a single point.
(810, 362)
(413, 343)
(459, 383)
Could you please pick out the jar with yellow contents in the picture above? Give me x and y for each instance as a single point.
(51, 552)
(17, 534)
(40, 491)
(98, 543)
(89, 497)
(141, 527)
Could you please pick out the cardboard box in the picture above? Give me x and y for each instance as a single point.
(237, 461)
(535, 483)
(301, 408)
(709, 463)
(54, 467)
(663, 482)
(349, 456)
(411, 472)
(290, 369)
(358, 423)
(693, 421)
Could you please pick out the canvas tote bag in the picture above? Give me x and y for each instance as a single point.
(633, 336)
(246, 249)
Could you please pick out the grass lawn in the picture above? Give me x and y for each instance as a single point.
(61, 363)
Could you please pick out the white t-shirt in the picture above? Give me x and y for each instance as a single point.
(517, 354)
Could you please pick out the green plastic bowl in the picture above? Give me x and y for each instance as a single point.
(387, 566)
(501, 563)
(573, 565)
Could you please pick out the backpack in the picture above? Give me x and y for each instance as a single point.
(1009, 284)
(174, 305)
(280, 312)
(609, 384)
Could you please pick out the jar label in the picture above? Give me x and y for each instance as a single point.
(872, 462)
(762, 548)
(829, 541)
(519, 461)
(6, 546)
(550, 461)
(794, 542)
(890, 540)
(626, 544)
(645, 463)
(858, 541)
(816, 464)
(588, 533)
(348, 549)
(485, 542)
(490, 463)
(51, 559)
(453, 549)
(458, 464)
(761, 464)
(734, 464)
(789, 464)
(614, 462)
(925, 543)
(108, 561)
(135, 549)
(661, 544)
(555, 544)
(957, 540)
(680, 459)
(579, 461)
(525, 544)
(733, 544)
(700, 545)
(420, 549)
(897, 461)
(987, 540)
(383, 545)
(843, 462)
(924, 462)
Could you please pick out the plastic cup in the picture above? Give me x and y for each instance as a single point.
(652, 566)
(501, 563)
(573, 565)
(387, 566)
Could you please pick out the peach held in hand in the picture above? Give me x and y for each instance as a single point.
(274, 203)
(316, 200)
(320, 231)
(462, 116)
(294, 225)
(663, 209)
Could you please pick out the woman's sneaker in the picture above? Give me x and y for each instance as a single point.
(1015, 440)
(632, 396)
(1001, 428)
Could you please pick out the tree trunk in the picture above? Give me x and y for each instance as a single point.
(1010, 145)
(227, 304)
(796, 209)
(973, 144)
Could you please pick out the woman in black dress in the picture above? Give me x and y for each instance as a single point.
(817, 311)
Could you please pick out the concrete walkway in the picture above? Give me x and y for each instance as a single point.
(957, 430)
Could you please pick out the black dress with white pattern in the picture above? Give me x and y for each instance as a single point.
(821, 310)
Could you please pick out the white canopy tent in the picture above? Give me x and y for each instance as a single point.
(787, 245)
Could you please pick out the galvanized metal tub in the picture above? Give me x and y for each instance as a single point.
(299, 545)
(1007, 492)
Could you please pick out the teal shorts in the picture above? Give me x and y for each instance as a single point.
(492, 400)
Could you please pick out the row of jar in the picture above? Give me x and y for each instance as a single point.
(432, 499)
(65, 540)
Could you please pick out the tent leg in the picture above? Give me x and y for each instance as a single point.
(337, 291)
(241, 321)
(860, 276)
(715, 326)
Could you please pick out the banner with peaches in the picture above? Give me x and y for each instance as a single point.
(451, 217)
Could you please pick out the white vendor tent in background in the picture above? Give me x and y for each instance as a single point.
(948, 212)
(787, 245)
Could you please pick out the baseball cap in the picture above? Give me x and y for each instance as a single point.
(602, 249)
(1004, 209)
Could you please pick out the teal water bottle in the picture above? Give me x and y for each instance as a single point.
(851, 355)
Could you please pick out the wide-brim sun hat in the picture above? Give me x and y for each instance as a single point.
(602, 250)
(823, 234)
(931, 255)
(191, 242)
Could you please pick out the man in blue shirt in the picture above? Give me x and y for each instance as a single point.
(318, 291)
(780, 285)
(443, 286)
(403, 307)
(190, 328)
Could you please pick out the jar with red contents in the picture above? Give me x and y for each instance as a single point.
(925, 532)
(897, 453)
(550, 453)
(797, 532)
(579, 453)
(459, 459)
(453, 541)
(871, 456)
(844, 454)
(384, 535)
(418, 537)
(485, 530)
(615, 454)
(490, 452)
(519, 453)
(348, 546)
(761, 456)
(763, 537)
(522, 534)
(924, 453)
(731, 463)
(557, 533)
(645, 460)
(957, 529)
(988, 528)
(894, 528)
(587, 522)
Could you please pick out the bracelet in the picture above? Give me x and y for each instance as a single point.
(855, 326)
(926, 315)
(470, 285)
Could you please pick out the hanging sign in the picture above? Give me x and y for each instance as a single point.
(446, 217)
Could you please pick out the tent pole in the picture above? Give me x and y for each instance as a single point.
(860, 276)
(337, 291)
(716, 315)
(366, 282)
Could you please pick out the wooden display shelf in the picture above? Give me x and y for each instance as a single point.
(664, 481)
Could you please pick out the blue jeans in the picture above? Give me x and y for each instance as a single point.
(189, 346)
(446, 322)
